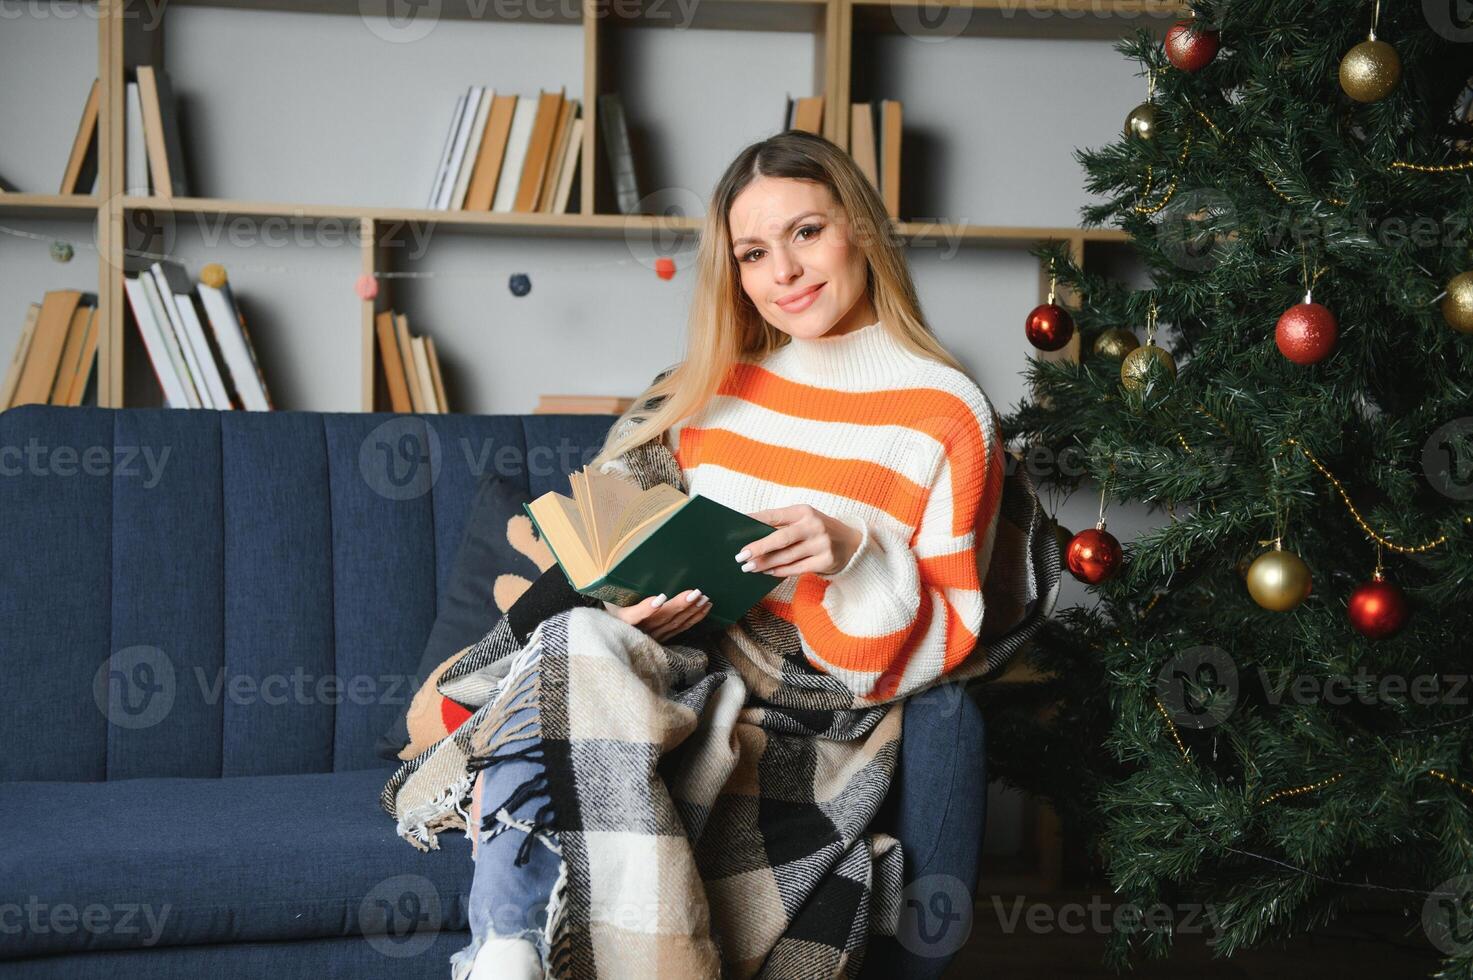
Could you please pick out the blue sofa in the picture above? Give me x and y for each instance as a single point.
(205, 620)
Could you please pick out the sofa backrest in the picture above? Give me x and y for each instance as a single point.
(198, 593)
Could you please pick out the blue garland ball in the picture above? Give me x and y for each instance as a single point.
(520, 284)
(62, 251)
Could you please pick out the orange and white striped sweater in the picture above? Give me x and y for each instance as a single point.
(907, 451)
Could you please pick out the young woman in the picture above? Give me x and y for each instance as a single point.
(814, 397)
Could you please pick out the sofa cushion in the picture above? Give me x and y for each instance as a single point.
(142, 863)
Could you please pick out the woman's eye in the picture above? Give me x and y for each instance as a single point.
(813, 228)
(748, 256)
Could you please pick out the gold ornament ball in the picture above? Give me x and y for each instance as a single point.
(1142, 121)
(1136, 368)
(1369, 71)
(1457, 305)
(1115, 343)
(1278, 580)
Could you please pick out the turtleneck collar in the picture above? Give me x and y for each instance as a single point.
(868, 353)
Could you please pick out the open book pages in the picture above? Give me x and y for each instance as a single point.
(606, 518)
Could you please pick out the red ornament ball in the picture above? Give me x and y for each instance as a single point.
(1306, 333)
(1093, 555)
(1377, 609)
(1191, 47)
(665, 267)
(1049, 326)
(366, 286)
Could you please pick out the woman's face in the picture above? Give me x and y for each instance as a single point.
(791, 242)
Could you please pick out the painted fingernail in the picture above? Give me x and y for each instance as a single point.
(657, 601)
(705, 601)
(692, 595)
(743, 555)
(749, 566)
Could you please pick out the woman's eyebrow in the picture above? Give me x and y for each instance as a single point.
(786, 228)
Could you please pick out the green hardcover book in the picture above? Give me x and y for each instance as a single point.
(687, 545)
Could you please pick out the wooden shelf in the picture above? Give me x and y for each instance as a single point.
(48, 205)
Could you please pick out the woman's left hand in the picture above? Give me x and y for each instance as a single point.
(806, 540)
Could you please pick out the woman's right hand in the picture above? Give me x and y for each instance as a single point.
(662, 618)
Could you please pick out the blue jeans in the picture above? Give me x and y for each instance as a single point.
(507, 898)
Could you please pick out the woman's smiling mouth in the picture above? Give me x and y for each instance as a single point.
(801, 301)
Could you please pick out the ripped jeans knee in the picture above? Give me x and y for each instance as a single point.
(518, 857)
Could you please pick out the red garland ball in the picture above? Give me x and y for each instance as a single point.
(1190, 47)
(665, 267)
(1377, 609)
(1306, 333)
(1049, 326)
(1093, 555)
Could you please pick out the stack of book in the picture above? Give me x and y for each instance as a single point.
(153, 153)
(581, 405)
(509, 152)
(196, 368)
(411, 366)
(804, 113)
(874, 142)
(56, 358)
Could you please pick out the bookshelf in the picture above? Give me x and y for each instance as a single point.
(843, 49)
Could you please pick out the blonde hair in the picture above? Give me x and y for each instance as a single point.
(725, 328)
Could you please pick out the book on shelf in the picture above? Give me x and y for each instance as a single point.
(581, 405)
(135, 150)
(233, 340)
(615, 129)
(619, 543)
(805, 113)
(55, 360)
(162, 142)
(411, 366)
(508, 152)
(195, 368)
(80, 176)
(874, 143)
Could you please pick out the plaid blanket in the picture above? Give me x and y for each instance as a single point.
(713, 799)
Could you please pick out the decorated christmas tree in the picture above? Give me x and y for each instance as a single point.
(1267, 710)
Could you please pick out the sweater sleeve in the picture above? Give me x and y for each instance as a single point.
(905, 609)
